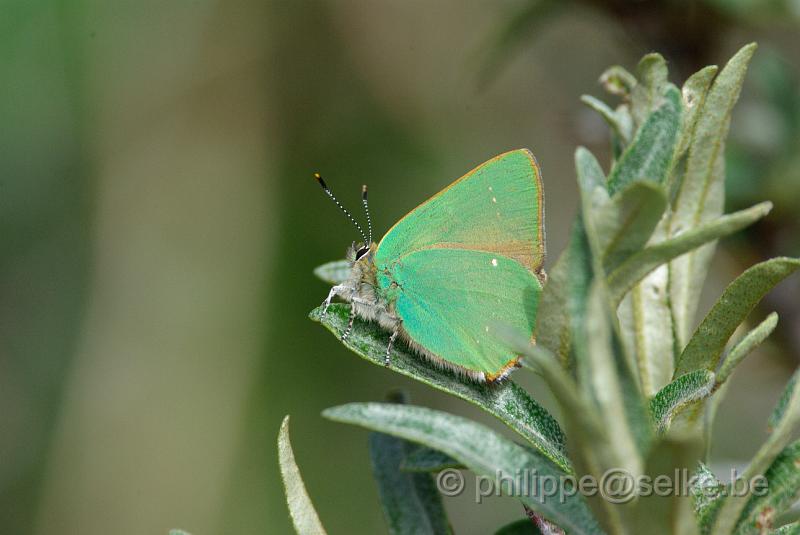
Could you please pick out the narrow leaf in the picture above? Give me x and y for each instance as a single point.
(636, 267)
(335, 272)
(694, 92)
(618, 81)
(781, 490)
(650, 155)
(679, 393)
(648, 93)
(707, 492)
(304, 516)
(747, 344)
(480, 449)
(424, 459)
(618, 122)
(668, 513)
(625, 224)
(701, 190)
(523, 526)
(508, 402)
(738, 299)
(785, 420)
(411, 502)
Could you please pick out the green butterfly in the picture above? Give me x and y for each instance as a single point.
(468, 258)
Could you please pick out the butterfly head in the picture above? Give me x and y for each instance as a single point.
(365, 249)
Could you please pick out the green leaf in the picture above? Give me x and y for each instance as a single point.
(694, 92)
(789, 529)
(567, 281)
(618, 81)
(304, 516)
(681, 392)
(508, 402)
(701, 189)
(650, 155)
(784, 422)
(411, 502)
(782, 489)
(672, 513)
(625, 224)
(648, 93)
(636, 267)
(523, 526)
(617, 120)
(424, 459)
(738, 299)
(707, 493)
(335, 272)
(748, 343)
(480, 449)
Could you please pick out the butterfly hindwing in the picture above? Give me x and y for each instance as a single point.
(496, 207)
(451, 300)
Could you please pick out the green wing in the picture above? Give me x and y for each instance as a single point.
(496, 207)
(450, 301)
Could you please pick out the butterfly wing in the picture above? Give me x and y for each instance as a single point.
(497, 207)
(450, 301)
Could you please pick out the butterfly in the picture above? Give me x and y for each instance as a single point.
(467, 259)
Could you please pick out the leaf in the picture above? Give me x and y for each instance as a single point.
(701, 190)
(650, 155)
(424, 459)
(782, 489)
(747, 344)
(507, 401)
(480, 449)
(618, 81)
(784, 421)
(411, 502)
(647, 93)
(693, 92)
(304, 516)
(625, 224)
(707, 492)
(668, 513)
(738, 299)
(617, 120)
(789, 529)
(335, 272)
(636, 267)
(523, 526)
(684, 390)
(568, 280)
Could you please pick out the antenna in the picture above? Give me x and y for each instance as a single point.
(366, 211)
(318, 177)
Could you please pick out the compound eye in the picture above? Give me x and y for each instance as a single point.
(361, 252)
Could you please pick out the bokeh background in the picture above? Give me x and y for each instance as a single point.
(159, 225)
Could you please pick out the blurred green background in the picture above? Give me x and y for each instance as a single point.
(159, 225)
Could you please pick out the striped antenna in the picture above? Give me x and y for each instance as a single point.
(366, 211)
(322, 183)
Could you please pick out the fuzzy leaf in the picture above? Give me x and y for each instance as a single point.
(411, 502)
(785, 419)
(625, 224)
(789, 529)
(636, 267)
(707, 492)
(648, 93)
(480, 449)
(693, 92)
(782, 490)
(684, 390)
(738, 299)
(650, 155)
(615, 119)
(304, 516)
(424, 459)
(333, 273)
(670, 514)
(748, 343)
(507, 401)
(700, 194)
(618, 81)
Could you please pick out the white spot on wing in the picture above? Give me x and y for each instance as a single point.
(490, 188)
(494, 262)
(494, 199)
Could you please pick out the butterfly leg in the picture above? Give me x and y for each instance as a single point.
(336, 290)
(349, 324)
(386, 359)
